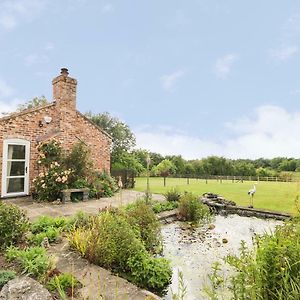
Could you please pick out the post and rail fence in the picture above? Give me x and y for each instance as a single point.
(240, 178)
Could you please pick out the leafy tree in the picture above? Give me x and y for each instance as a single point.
(179, 163)
(189, 169)
(164, 169)
(156, 158)
(141, 155)
(198, 167)
(35, 102)
(123, 138)
(127, 160)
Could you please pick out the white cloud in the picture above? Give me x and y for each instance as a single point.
(223, 65)
(169, 81)
(284, 52)
(7, 103)
(270, 132)
(5, 89)
(108, 8)
(14, 11)
(9, 106)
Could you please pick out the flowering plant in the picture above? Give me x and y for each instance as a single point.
(54, 177)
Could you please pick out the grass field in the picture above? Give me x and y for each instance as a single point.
(278, 196)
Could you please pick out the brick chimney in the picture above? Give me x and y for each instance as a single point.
(64, 91)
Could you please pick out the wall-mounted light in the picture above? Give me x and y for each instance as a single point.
(46, 120)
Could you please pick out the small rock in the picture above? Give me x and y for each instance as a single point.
(211, 226)
(224, 241)
(24, 288)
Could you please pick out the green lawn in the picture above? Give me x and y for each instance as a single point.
(278, 196)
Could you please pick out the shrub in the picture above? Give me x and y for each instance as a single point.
(141, 216)
(6, 276)
(67, 170)
(79, 160)
(191, 209)
(33, 261)
(111, 242)
(49, 152)
(172, 195)
(13, 225)
(152, 273)
(63, 281)
(48, 185)
(160, 206)
(80, 219)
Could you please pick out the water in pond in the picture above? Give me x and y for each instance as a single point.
(193, 251)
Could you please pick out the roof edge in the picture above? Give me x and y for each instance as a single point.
(26, 111)
(93, 123)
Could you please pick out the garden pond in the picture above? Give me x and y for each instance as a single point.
(192, 251)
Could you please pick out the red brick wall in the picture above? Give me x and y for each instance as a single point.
(27, 127)
(67, 125)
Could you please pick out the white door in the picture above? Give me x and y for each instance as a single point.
(15, 168)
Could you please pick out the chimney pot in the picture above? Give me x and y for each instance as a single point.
(64, 71)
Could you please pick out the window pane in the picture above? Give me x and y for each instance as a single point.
(15, 168)
(15, 185)
(16, 152)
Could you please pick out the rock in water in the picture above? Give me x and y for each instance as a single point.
(24, 288)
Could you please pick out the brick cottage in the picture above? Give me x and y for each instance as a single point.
(20, 134)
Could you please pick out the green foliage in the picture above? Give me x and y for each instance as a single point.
(13, 225)
(35, 102)
(72, 170)
(104, 185)
(146, 271)
(271, 270)
(128, 161)
(55, 177)
(111, 242)
(6, 276)
(164, 168)
(160, 206)
(173, 194)
(122, 137)
(191, 209)
(33, 261)
(80, 219)
(79, 161)
(43, 223)
(182, 288)
(48, 227)
(51, 234)
(63, 282)
(49, 153)
(141, 216)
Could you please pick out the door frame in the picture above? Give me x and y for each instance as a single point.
(7, 142)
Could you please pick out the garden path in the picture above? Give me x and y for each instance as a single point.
(35, 209)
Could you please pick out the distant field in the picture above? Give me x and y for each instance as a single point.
(278, 196)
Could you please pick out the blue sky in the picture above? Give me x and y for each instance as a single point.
(194, 77)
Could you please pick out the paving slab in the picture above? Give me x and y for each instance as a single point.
(35, 209)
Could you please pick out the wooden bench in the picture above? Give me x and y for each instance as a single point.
(66, 194)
